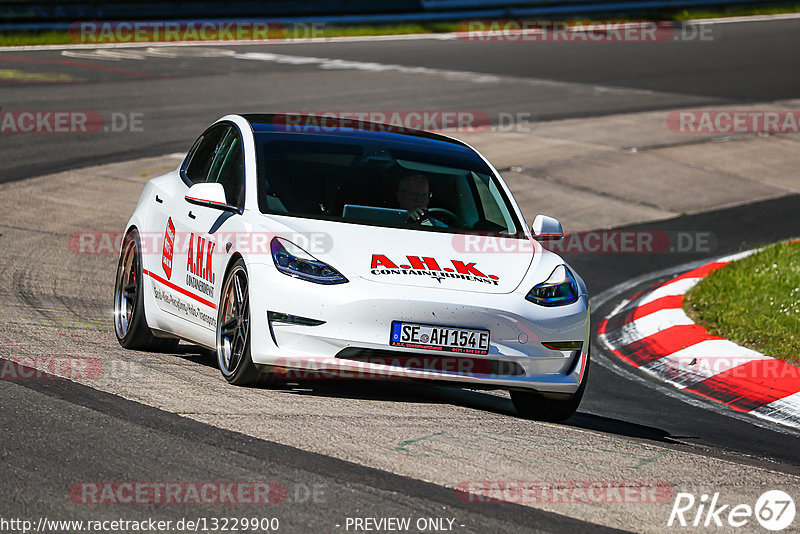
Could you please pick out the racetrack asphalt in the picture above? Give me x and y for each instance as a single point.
(178, 88)
(378, 450)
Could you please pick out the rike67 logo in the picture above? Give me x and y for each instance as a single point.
(774, 510)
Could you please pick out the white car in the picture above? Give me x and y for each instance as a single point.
(355, 251)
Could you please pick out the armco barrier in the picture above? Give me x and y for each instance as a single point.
(74, 10)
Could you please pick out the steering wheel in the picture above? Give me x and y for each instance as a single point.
(444, 215)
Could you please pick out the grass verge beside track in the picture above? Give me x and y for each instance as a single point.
(754, 302)
(63, 37)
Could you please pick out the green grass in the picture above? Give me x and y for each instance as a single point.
(393, 29)
(34, 38)
(63, 37)
(754, 302)
(732, 12)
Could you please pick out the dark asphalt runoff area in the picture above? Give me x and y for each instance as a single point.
(177, 96)
(62, 432)
(56, 432)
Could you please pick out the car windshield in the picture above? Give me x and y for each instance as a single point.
(393, 184)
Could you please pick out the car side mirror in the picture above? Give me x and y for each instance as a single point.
(546, 228)
(210, 195)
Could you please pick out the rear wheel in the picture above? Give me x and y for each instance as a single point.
(130, 324)
(233, 328)
(534, 405)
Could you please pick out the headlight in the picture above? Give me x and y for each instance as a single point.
(292, 260)
(559, 289)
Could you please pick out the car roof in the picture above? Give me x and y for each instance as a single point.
(345, 127)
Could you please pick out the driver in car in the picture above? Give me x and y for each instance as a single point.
(414, 195)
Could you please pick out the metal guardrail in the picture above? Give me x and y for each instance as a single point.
(71, 10)
(37, 15)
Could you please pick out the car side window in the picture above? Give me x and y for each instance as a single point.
(491, 200)
(227, 168)
(204, 151)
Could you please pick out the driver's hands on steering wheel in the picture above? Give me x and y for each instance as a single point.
(418, 215)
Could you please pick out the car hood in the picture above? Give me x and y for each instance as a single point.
(416, 258)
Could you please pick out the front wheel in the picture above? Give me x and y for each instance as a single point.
(130, 324)
(534, 405)
(233, 328)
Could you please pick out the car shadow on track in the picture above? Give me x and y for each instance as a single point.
(494, 402)
(196, 354)
(411, 391)
(609, 425)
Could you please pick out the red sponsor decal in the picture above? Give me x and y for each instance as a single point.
(169, 244)
(199, 258)
(467, 268)
(381, 264)
(180, 289)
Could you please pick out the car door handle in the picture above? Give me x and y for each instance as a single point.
(158, 199)
(192, 215)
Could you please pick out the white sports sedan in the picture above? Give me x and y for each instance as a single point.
(352, 250)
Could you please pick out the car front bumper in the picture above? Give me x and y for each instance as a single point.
(353, 340)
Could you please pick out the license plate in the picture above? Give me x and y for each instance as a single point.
(443, 338)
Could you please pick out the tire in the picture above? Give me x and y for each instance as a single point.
(130, 324)
(534, 405)
(233, 328)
